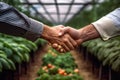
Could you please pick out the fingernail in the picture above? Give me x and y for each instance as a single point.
(60, 34)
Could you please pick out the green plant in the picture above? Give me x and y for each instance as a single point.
(106, 52)
(14, 50)
(56, 67)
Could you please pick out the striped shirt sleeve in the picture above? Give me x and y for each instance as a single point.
(29, 28)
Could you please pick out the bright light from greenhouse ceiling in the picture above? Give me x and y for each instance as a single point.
(55, 11)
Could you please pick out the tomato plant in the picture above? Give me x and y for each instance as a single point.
(60, 67)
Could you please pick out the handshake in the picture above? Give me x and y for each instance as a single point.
(65, 39)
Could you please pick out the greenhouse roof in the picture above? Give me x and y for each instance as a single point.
(56, 11)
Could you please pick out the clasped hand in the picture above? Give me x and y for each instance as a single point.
(60, 38)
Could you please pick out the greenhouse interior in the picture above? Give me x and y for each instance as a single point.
(22, 58)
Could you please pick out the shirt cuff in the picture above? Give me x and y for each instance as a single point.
(106, 28)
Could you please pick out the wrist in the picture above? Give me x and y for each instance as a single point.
(87, 33)
(45, 33)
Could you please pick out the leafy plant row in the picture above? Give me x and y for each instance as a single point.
(58, 66)
(107, 52)
(14, 50)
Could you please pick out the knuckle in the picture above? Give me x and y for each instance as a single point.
(61, 26)
(54, 45)
(65, 40)
(75, 44)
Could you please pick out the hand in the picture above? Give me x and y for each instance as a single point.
(86, 33)
(51, 35)
(74, 33)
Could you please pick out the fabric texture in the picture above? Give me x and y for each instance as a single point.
(14, 18)
(109, 25)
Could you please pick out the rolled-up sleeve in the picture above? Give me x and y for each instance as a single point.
(30, 28)
(109, 25)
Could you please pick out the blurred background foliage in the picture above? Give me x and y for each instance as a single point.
(85, 17)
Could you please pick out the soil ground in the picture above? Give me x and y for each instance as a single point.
(34, 67)
(84, 68)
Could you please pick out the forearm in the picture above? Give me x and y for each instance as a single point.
(88, 33)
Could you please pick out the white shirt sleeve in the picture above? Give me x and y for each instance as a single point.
(109, 25)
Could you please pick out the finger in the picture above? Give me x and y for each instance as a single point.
(64, 46)
(70, 43)
(62, 50)
(61, 26)
(67, 44)
(58, 47)
(73, 42)
(55, 45)
(63, 31)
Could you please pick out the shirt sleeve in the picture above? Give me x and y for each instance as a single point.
(109, 25)
(19, 23)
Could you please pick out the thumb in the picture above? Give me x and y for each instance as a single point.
(63, 31)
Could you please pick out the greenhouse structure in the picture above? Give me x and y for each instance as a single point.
(22, 58)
